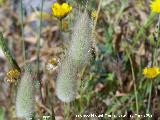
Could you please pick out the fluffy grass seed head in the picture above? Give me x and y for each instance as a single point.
(61, 11)
(66, 86)
(151, 72)
(77, 56)
(155, 6)
(25, 97)
(81, 41)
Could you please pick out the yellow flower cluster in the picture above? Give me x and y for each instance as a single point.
(151, 72)
(12, 75)
(155, 6)
(61, 11)
(94, 13)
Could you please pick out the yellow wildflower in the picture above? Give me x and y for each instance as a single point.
(94, 13)
(151, 72)
(13, 75)
(155, 6)
(61, 11)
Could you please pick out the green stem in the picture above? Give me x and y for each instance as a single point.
(158, 26)
(149, 98)
(67, 110)
(95, 23)
(7, 53)
(134, 80)
(154, 63)
(53, 114)
(39, 37)
(38, 52)
(155, 53)
(61, 24)
(22, 31)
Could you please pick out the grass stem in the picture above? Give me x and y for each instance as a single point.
(155, 63)
(22, 31)
(95, 22)
(149, 98)
(38, 51)
(134, 80)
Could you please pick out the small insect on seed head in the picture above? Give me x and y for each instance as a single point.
(51, 64)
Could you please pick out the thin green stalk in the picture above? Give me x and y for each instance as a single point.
(158, 27)
(97, 14)
(7, 53)
(22, 31)
(95, 22)
(154, 62)
(38, 51)
(61, 24)
(150, 92)
(155, 53)
(81, 89)
(67, 112)
(53, 114)
(134, 80)
(149, 98)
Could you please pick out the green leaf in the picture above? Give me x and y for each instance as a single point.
(110, 76)
(1, 114)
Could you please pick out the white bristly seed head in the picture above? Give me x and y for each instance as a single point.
(66, 88)
(81, 39)
(77, 56)
(25, 97)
